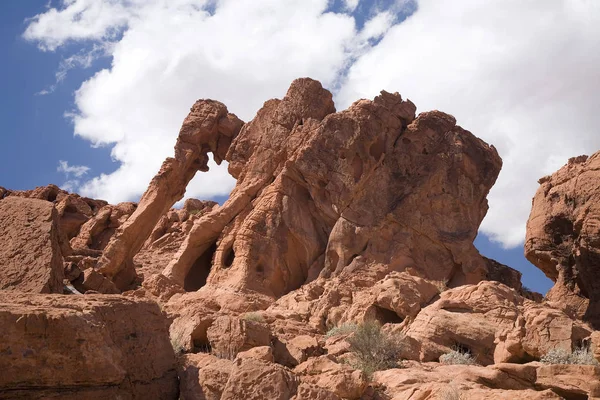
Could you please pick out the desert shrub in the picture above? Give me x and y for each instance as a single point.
(580, 356)
(254, 317)
(458, 356)
(442, 285)
(374, 349)
(343, 329)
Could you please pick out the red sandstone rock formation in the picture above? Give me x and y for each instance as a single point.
(563, 236)
(30, 255)
(208, 128)
(84, 347)
(318, 190)
(337, 218)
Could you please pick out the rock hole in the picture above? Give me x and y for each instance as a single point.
(406, 141)
(569, 395)
(385, 316)
(260, 269)
(228, 257)
(52, 196)
(376, 150)
(71, 209)
(425, 151)
(357, 168)
(462, 348)
(196, 277)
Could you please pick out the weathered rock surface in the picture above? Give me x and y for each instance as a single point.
(203, 376)
(30, 254)
(501, 381)
(207, 128)
(318, 190)
(495, 324)
(336, 218)
(96, 347)
(563, 235)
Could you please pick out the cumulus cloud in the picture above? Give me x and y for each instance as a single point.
(523, 76)
(170, 53)
(72, 170)
(73, 174)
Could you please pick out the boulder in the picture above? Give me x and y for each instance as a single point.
(30, 253)
(563, 236)
(229, 335)
(202, 376)
(495, 324)
(341, 379)
(253, 379)
(93, 346)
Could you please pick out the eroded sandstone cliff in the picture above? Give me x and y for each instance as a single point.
(337, 219)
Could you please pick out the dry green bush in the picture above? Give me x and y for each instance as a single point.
(457, 357)
(442, 285)
(254, 317)
(579, 356)
(374, 349)
(343, 329)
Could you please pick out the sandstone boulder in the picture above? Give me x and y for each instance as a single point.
(563, 235)
(341, 379)
(203, 376)
(253, 379)
(97, 347)
(230, 335)
(495, 324)
(30, 254)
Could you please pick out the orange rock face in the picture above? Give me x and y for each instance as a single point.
(30, 254)
(208, 128)
(318, 191)
(76, 347)
(337, 218)
(563, 236)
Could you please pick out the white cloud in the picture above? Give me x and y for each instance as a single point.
(72, 170)
(521, 75)
(73, 174)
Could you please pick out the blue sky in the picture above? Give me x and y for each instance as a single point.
(35, 132)
(132, 68)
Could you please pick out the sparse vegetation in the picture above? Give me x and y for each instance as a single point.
(442, 285)
(579, 356)
(458, 356)
(343, 329)
(254, 317)
(374, 349)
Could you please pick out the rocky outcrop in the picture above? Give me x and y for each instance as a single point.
(208, 128)
(493, 323)
(30, 254)
(337, 218)
(73, 210)
(563, 236)
(320, 191)
(93, 347)
(501, 381)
